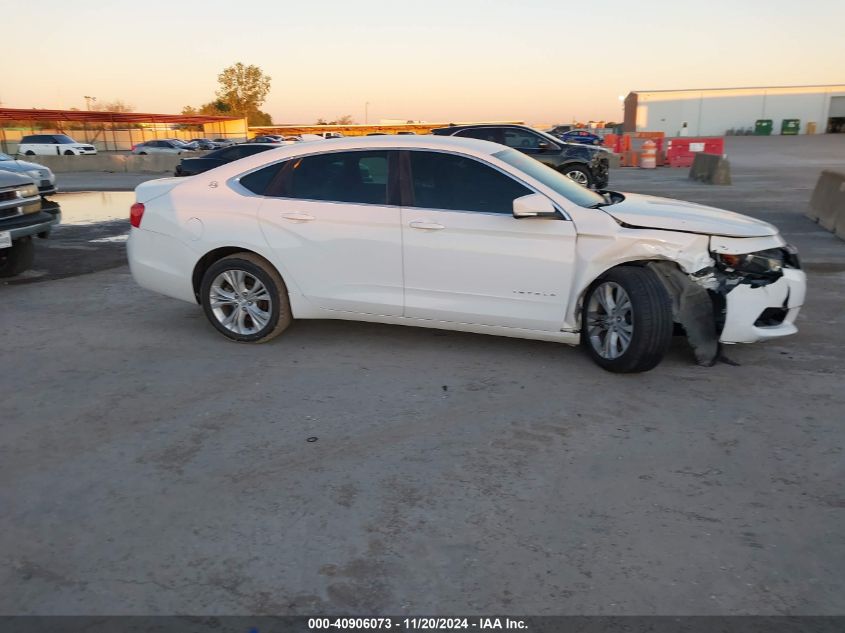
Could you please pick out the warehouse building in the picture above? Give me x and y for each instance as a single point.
(719, 111)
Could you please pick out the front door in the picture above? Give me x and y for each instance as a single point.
(468, 260)
(328, 221)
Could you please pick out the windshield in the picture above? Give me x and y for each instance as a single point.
(553, 179)
(5, 156)
(63, 138)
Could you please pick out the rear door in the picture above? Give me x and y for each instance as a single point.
(333, 223)
(467, 259)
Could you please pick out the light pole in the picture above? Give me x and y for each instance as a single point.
(88, 101)
(366, 112)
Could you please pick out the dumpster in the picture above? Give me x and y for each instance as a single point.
(763, 127)
(790, 126)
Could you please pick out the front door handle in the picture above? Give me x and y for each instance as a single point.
(426, 226)
(298, 217)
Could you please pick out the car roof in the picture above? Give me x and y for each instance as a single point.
(387, 141)
(469, 126)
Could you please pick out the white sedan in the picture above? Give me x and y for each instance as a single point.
(459, 234)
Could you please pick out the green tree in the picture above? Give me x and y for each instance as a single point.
(243, 88)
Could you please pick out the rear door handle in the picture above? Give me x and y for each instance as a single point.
(298, 217)
(426, 226)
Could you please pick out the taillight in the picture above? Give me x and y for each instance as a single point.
(132, 149)
(136, 212)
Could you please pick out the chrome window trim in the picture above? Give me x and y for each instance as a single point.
(235, 185)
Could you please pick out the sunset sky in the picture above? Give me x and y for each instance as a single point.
(534, 60)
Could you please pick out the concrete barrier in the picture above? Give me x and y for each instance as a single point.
(150, 163)
(714, 169)
(64, 164)
(827, 204)
(153, 163)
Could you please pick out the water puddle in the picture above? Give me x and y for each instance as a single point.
(91, 207)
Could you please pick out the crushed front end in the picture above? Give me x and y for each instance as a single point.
(752, 292)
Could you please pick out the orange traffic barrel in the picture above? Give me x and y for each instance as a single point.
(648, 157)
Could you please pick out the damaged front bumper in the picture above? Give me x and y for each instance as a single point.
(721, 305)
(758, 313)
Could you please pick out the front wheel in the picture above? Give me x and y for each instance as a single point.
(579, 175)
(68, 153)
(29, 152)
(627, 320)
(245, 298)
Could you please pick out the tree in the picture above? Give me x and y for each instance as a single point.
(243, 88)
(346, 119)
(117, 106)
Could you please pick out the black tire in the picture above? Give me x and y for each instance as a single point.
(279, 305)
(68, 153)
(650, 320)
(142, 153)
(579, 174)
(18, 258)
(29, 152)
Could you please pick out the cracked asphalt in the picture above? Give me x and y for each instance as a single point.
(149, 466)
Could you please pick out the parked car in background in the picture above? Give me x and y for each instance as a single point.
(160, 147)
(588, 166)
(584, 137)
(192, 166)
(22, 217)
(560, 129)
(43, 176)
(458, 234)
(204, 143)
(223, 142)
(53, 145)
(264, 139)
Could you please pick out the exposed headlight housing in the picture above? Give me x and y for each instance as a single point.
(761, 263)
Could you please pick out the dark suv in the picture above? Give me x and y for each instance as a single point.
(588, 166)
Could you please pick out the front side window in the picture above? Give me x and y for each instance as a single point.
(63, 138)
(522, 139)
(461, 183)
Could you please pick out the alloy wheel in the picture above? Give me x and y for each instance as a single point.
(578, 176)
(610, 320)
(240, 302)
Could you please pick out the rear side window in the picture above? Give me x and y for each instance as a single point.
(461, 183)
(492, 134)
(358, 177)
(355, 177)
(258, 181)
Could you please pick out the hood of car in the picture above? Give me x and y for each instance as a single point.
(676, 215)
(22, 166)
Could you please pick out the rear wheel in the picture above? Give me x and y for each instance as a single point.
(29, 152)
(579, 174)
(245, 298)
(627, 320)
(18, 258)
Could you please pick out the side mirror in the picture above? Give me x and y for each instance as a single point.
(534, 205)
